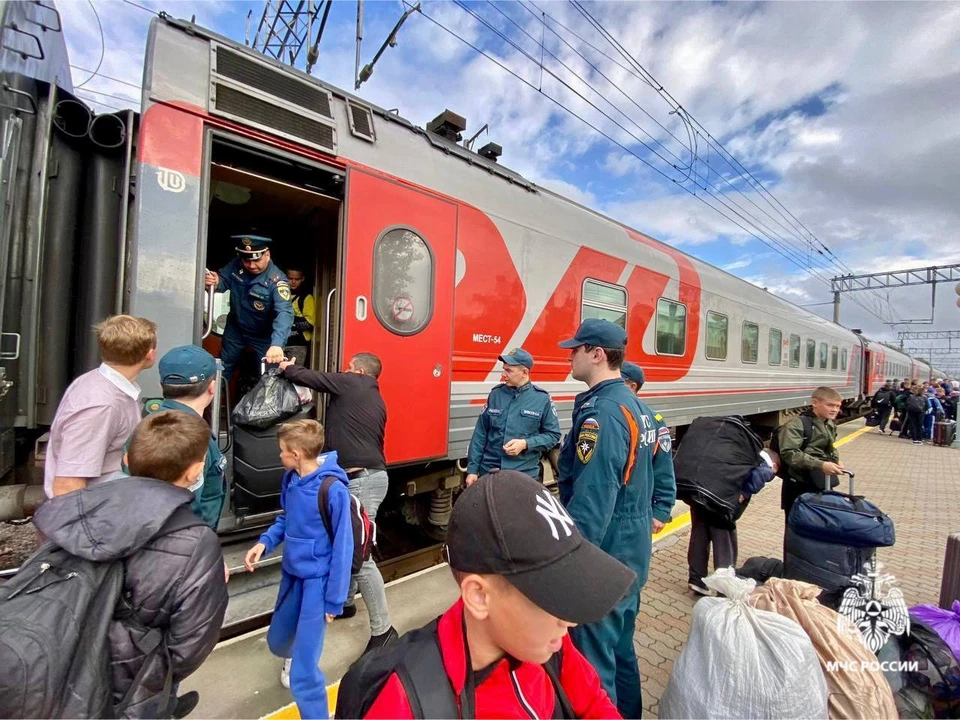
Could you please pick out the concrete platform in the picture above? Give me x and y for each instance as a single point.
(915, 485)
(241, 678)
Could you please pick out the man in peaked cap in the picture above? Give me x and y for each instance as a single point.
(526, 575)
(518, 423)
(261, 315)
(617, 482)
(632, 376)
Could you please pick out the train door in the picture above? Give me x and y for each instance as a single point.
(398, 280)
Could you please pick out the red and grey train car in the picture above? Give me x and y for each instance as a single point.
(434, 257)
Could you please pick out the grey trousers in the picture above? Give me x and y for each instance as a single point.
(370, 490)
(702, 536)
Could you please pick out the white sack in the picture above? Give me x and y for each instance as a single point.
(740, 662)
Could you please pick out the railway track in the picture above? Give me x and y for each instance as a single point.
(252, 607)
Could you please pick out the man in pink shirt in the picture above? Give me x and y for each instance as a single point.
(100, 408)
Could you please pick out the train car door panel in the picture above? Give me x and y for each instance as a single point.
(399, 271)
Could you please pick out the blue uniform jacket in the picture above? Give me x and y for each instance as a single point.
(259, 304)
(308, 549)
(523, 413)
(209, 498)
(616, 471)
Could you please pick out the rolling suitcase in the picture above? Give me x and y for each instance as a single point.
(257, 472)
(831, 536)
(944, 433)
(950, 580)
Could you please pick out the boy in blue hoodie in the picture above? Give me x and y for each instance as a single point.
(316, 563)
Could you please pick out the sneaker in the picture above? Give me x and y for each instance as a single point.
(382, 640)
(700, 588)
(285, 673)
(185, 704)
(918, 442)
(348, 612)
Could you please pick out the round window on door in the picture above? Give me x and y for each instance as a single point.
(402, 281)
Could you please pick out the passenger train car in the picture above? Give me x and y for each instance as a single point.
(436, 258)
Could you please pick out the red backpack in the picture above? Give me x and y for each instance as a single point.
(364, 529)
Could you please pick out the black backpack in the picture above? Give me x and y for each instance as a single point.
(807, 421)
(418, 664)
(917, 404)
(364, 529)
(55, 616)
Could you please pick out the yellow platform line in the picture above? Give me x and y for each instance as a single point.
(852, 436)
(290, 712)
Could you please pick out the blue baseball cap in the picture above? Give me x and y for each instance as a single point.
(598, 333)
(186, 365)
(633, 372)
(251, 246)
(518, 356)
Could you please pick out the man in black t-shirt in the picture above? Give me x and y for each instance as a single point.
(355, 423)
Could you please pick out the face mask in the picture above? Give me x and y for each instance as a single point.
(198, 483)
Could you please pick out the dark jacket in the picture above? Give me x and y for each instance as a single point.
(507, 689)
(356, 419)
(883, 398)
(174, 582)
(513, 413)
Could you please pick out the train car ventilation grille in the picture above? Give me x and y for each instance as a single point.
(361, 121)
(266, 79)
(258, 112)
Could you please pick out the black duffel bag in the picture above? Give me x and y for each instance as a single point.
(272, 400)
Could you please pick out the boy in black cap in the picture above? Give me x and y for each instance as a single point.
(261, 315)
(526, 576)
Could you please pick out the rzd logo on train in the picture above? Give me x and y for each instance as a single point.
(171, 180)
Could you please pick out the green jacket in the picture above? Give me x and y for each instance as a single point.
(208, 500)
(819, 449)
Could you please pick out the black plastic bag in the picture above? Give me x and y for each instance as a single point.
(272, 400)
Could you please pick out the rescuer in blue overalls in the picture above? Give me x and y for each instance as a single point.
(617, 483)
(261, 315)
(632, 376)
(518, 422)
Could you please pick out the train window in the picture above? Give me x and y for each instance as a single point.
(843, 360)
(811, 353)
(833, 357)
(794, 351)
(402, 281)
(749, 343)
(823, 356)
(775, 347)
(716, 336)
(604, 301)
(671, 327)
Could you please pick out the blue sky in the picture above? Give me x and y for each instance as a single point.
(846, 112)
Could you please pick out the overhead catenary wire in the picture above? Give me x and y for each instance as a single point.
(103, 45)
(106, 77)
(145, 9)
(113, 97)
(814, 243)
(793, 257)
(812, 265)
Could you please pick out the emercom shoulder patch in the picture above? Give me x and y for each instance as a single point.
(587, 439)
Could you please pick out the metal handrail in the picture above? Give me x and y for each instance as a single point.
(326, 339)
(211, 295)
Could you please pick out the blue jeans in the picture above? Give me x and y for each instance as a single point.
(297, 631)
(370, 490)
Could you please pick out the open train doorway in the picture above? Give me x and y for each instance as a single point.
(257, 191)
